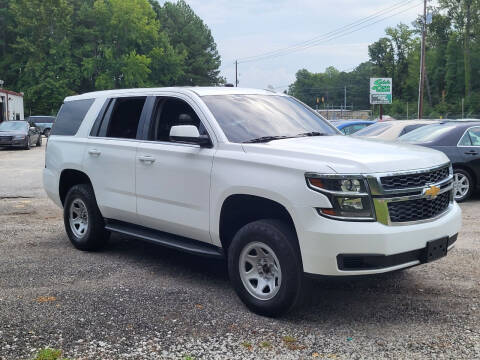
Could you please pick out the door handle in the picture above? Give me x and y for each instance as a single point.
(146, 159)
(471, 152)
(94, 152)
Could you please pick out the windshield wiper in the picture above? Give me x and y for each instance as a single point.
(312, 133)
(265, 139)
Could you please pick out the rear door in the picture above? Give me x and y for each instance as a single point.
(109, 158)
(173, 179)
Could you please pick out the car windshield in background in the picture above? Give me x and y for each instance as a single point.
(13, 125)
(426, 134)
(374, 130)
(246, 118)
(42, 119)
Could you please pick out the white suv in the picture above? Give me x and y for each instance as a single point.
(253, 176)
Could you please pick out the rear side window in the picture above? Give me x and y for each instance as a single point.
(122, 118)
(70, 117)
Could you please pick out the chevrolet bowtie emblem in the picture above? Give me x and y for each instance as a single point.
(432, 192)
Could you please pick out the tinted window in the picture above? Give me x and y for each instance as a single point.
(247, 117)
(374, 130)
(70, 117)
(353, 128)
(426, 133)
(172, 112)
(409, 128)
(125, 118)
(42, 119)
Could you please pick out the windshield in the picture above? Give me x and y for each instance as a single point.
(245, 118)
(42, 119)
(13, 125)
(426, 133)
(374, 130)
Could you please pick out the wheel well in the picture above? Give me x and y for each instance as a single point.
(239, 210)
(472, 174)
(69, 178)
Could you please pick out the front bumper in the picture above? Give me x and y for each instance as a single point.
(14, 143)
(322, 240)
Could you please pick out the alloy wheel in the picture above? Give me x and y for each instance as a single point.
(78, 218)
(461, 186)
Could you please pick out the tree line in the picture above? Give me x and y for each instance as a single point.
(50, 49)
(452, 67)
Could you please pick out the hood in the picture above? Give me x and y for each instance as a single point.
(348, 155)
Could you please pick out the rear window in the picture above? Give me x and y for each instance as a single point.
(70, 117)
(42, 119)
(374, 130)
(427, 133)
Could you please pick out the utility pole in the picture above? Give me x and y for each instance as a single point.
(345, 99)
(236, 73)
(422, 62)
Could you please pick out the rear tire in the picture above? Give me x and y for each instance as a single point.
(265, 267)
(83, 221)
(46, 133)
(463, 185)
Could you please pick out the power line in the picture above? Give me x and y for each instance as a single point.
(342, 31)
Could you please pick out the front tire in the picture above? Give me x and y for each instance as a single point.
(265, 267)
(83, 221)
(47, 132)
(39, 141)
(27, 145)
(462, 185)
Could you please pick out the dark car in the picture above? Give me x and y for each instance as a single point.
(351, 126)
(19, 134)
(460, 141)
(44, 123)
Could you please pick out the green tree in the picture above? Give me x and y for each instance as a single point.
(42, 52)
(190, 36)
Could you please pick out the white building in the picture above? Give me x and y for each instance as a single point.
(11, 105)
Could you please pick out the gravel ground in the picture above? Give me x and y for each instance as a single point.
(138, 301)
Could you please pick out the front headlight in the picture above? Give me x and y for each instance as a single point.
(349, 196)
(19, 137)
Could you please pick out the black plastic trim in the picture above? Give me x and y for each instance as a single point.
(359, 262)
(165, 239)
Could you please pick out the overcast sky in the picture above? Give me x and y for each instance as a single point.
(244, 28)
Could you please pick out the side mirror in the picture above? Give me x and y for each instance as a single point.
(189, 134)
(33, 128)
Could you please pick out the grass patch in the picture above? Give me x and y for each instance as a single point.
(265, 345)
(49, 354)
(247, 345)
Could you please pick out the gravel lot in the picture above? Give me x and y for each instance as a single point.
(138, 301)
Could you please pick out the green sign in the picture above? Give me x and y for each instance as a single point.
(380, 91)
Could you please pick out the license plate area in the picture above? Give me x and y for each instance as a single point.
(436, 249)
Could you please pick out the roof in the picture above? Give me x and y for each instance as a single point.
(5, 91)
(200, 91)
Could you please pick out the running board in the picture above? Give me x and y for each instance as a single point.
(165, 239)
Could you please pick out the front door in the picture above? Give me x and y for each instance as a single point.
(173, 179)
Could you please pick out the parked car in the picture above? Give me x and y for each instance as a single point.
(19, 134)
(392, 130)
(252, 176)
(44, 123)
(460, 141)
(349, 127)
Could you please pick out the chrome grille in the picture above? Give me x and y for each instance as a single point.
(399, 182)
(5, 139)
(418, 209)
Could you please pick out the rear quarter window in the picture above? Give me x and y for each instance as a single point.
(70, 117)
